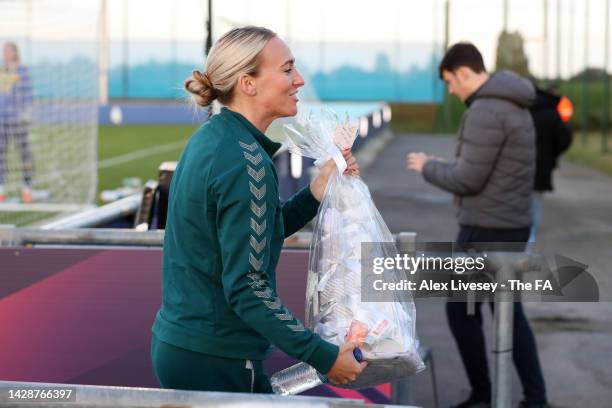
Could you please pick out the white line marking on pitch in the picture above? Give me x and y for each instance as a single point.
(139, 154)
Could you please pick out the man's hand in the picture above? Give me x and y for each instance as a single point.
(318, 185)
(346, 368)
(416, 161)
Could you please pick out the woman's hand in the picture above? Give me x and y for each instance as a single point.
(346, 368)
(318, 185)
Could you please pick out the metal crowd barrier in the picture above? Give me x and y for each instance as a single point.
(14, 237)
(99, 215)
(510, 265)
(102, 397)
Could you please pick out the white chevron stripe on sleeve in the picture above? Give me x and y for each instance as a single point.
(250, 147)
(266, 293)
(284, 316)
(257, 175)
(255, 263)
(296, 327)
(258, 228)
(274, 305)
(259, 193)
(258, 246)
(257, 210)
(253, 159)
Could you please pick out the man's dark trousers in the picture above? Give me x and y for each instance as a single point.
(467, 330)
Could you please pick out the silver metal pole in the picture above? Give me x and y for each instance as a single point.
(446, 105)
(126, 51)
(434, 71)
(209, 28)
(80, 236)
(507, 265)
(585, 76)
(174, 41)
(406, 241)
(11, 236)
(505, 16)
(98, 216)
(103, 54)
(95, 396)
(545, 42)
(401, 390)
(558, 46)
(606, 82)
(502, 348)
(570, 44)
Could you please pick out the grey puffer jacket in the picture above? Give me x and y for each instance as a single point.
(492, 175)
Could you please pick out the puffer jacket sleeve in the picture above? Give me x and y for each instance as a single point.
(481, 139)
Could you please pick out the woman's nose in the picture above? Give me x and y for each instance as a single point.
(298, 81)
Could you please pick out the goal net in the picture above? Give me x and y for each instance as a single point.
(48, 108)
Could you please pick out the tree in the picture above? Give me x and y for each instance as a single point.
(511, 54)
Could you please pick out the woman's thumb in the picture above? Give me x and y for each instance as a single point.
(350, 345)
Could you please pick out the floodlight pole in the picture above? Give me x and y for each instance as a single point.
(558, 50)
(446, 104)
(103, 55)
(29, 32)
(505, 16)
(174, 40)
(545, 42)
(126, 51)
(585, 75)
(570, 47)
(606, 84)
(209, 27)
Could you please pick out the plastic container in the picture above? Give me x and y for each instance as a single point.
(301, 377)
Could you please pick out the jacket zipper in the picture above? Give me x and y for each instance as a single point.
(249, 366)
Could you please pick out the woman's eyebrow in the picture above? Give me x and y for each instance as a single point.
(290, 62)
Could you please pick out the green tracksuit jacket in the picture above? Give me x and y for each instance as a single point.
(224, 233)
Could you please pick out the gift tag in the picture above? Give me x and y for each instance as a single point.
(345, 136)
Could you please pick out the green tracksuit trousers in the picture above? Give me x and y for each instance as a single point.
(184, 369)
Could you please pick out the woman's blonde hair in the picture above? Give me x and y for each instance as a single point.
(234, 54)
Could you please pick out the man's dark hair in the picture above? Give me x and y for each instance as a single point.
(462, 54)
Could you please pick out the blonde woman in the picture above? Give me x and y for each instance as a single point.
(15, 117)
(220, 311)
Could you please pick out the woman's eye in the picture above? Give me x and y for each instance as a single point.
(289, 70)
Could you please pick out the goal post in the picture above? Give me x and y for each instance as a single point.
(48, 107)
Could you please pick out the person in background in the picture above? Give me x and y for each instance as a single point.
(492, 180)
(15, 117)
(553, 137)
(220, 310)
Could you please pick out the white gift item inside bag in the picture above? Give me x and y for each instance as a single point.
(346, 218)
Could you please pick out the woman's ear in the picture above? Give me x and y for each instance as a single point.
(246, 83)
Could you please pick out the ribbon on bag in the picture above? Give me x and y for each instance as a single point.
(336, 155)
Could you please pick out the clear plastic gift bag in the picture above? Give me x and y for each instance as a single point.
(347, 217)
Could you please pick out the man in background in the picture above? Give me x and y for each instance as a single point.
(553, 137)
(492, 180)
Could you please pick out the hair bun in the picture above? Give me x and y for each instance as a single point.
(203, 78)
(201, 87)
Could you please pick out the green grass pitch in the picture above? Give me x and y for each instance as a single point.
(139, 142)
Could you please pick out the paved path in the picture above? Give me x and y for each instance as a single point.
(575, 339)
